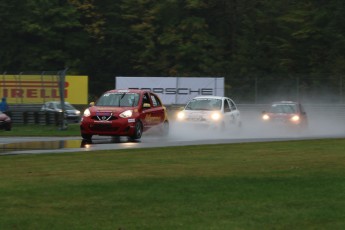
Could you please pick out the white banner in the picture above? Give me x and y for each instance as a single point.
(174, 90)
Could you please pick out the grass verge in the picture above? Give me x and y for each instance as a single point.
(279, 185)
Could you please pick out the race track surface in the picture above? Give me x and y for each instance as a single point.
(251, 131)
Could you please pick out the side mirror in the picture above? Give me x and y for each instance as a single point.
(146, 105)
(91, 104)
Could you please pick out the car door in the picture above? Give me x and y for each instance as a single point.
(303, 115)
(228, 114)
(147, 116)
(235, 113)
(50, 107)
(157, 111)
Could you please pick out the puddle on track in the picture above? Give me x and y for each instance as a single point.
(59, 144)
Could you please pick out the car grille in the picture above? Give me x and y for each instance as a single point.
(104, 118)
(279, 119)
(196, 119)
(102, 127)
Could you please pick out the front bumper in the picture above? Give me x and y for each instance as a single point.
(205, 124)
(286, 124)
(120, 127)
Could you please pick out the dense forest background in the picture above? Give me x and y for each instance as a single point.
(249, 42)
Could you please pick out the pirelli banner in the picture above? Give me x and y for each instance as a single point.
(37, 89)
(174, 90)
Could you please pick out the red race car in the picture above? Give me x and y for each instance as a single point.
(124, 113)
(287, 114)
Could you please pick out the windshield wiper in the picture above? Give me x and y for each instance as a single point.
(122, 96)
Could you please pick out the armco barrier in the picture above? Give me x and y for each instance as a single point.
(34, 117)
(31, 114)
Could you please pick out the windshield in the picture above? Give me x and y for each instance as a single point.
(283, 108)
(119, 99)
(67, 106)
(204, 104)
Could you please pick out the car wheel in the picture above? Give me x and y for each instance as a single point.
(86, 136)
(165, 128)
(138, 130)
(8, 128)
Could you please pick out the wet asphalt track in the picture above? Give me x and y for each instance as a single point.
(179, 136)
(35, 145)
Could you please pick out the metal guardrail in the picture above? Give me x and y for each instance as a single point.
(32, 114)
(35, 117)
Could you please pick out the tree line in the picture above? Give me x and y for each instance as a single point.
(236, 39)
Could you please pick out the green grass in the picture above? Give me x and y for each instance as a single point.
(278, 185)
(41, 130)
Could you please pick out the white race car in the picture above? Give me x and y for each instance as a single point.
(212, 112)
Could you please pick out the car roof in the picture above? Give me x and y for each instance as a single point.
(56, 102)
(127, 91)
(285, 102)
(209, 97)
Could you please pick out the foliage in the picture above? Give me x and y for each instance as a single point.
(231, 38)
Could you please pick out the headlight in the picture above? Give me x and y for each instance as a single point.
(87, 113)
(265, 117)
(295, 118)
(215, 116)
(77, 112)
(181, 115)
(127, 113)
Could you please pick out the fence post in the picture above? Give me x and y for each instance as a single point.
(341, 89)
(62, 75)
(36, 117)
(25, 117)
(256, 90)
(297, 89)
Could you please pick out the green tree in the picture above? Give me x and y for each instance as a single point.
(45, 35)
(174, 37)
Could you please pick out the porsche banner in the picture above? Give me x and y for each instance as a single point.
(174, 90)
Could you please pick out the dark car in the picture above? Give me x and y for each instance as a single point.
(286, 113)
(124, 113)
(5, 122)
(71, 113)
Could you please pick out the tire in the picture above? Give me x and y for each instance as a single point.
(138, 130)
(86, 136)
(222, 127)
(239, 125)
(165, 129)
